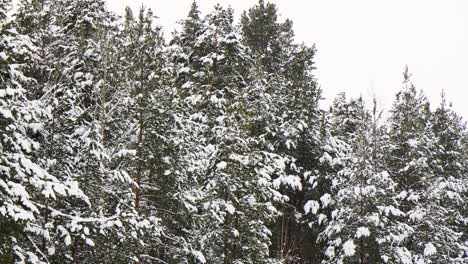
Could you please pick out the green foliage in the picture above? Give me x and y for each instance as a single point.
(117, 147)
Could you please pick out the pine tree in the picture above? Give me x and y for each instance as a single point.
(446, 205)
(34, 19)
(143, 127)
(117, 148)
(363, 193)
(28, 188)
(293, 128)
(268, 39)
(232, 201)
(74, 148)
(421, 233)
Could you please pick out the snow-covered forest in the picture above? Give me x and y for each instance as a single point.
(119, 146)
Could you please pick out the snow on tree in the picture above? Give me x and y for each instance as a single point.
(292, 124)
(232, 205)
(412, 163)
(448, 188)
(118, 148)
(134, 120)
(75, 91)
(362, 190)
(27, 187)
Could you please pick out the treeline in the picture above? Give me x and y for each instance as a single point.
(119, 147)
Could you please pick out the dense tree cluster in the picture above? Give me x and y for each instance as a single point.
(119, 147)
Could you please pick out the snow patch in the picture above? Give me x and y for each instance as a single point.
(413, 142)
(402, 195)
(413, 197)
(198, 255)
(417, 214)
(311, 206)
(326, 200)
(330, 252)
(429, 250)
(322, 218)
(362, 232)
(230, 208)
(349, 248)
(89, 242)
(67, 240)
(221, 166)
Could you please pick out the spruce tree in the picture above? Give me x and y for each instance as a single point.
(75, 151)
(446, 206)
(363, 193)
(293, 128)
(28, 189)
(421, 233)
(232, 175)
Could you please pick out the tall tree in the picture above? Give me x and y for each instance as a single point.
(268, 38)
(232, 200)
(27, 187)
(293, 129)
(75, 92)
(146, 126)
(363, 193)
(421, 232)
(446, 206)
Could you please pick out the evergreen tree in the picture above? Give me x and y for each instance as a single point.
(446, 206)
(144, 129)
(233, 201)
(422, 234)
(293, 128)
(348, 117)
(74, 92)
(268, 39)
(363, 192)
(27, 188)
(118, 148)
(34, 18)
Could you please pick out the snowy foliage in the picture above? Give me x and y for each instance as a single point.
(117, 147)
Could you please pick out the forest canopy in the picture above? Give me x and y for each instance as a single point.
(119, 146)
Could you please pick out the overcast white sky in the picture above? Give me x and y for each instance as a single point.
(364, 45)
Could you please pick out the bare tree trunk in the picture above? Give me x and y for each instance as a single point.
(138, 170)
(74, 250)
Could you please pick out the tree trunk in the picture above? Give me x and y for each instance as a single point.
(138, 170)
